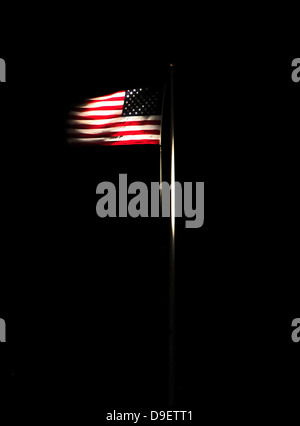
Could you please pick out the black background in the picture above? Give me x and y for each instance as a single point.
(86, 299)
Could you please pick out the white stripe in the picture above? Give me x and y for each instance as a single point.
(115, 138)
(116, 120)
(114, 129)
(101, 104)
(113, 95)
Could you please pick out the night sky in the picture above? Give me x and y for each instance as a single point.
(86, 299)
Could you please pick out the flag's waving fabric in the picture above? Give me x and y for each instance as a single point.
(123, 118)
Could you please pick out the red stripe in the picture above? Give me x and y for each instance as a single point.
(121, 123)
(110, 97)
(121, 98)
(116, 134)
(100, 108)
(94, 117)
(130, 142)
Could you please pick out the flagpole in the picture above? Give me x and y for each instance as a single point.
(160, 181)
(172, 258)
(160, 156)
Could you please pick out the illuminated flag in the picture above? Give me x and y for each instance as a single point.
(128, 117)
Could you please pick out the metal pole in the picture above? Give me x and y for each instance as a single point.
(172, 260)
(160, 181)
(160, 157)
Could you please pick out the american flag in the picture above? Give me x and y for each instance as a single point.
(123, 118)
